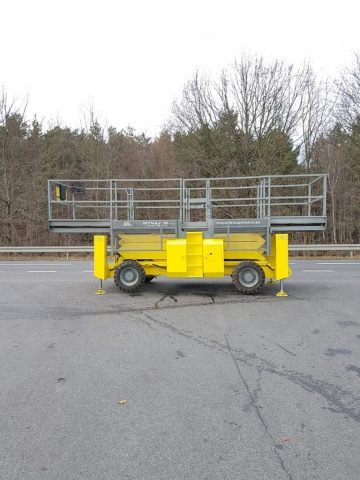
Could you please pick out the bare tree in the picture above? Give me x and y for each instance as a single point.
(330, 161)
(268, 96)
(11, 163)
(348, 111)
(252, 101)
(316, 115)
(198, 106)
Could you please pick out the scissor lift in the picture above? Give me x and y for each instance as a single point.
(194, 227)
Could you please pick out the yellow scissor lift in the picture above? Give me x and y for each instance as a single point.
(190, 228)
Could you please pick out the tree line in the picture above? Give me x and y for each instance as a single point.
(256, 118)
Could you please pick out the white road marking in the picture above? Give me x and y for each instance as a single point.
(88, 271)
(30, 279)
(318, 271)
(41, 271)
(338, 263)
(34, 264)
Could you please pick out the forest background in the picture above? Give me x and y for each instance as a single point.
(256, 118)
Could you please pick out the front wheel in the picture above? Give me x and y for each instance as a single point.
(129, 275)
(248, 277)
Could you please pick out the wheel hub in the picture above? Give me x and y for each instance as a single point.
(129, 276)
(248, 277)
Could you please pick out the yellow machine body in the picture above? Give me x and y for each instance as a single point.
(194, 256)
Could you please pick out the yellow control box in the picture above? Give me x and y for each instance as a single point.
(195, 256)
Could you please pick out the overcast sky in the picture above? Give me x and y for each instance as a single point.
(132, 58)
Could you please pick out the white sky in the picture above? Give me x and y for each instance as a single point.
(131, 58)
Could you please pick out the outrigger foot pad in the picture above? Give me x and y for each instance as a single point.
(281, 292)
(100, 291)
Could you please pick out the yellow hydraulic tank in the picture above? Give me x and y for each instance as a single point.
(213, 255)
(176, 263)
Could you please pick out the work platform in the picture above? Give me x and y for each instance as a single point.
(263, 204)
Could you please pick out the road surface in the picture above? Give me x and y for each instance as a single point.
(185, 379)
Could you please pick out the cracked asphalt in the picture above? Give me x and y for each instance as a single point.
(186, 379)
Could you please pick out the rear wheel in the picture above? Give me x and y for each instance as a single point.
(129, 275)
(248, 277)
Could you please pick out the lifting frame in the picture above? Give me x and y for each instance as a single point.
(195, 227)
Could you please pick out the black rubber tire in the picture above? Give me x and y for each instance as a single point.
(138, 281)
(149, 278)
(259, 277)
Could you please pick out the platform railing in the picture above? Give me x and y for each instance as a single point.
(191, 199)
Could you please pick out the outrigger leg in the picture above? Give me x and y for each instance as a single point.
(281, 292)
(100, 290)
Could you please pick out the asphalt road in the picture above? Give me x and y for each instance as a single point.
(184, 380)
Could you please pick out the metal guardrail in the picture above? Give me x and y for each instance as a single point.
(48, 249)
(89, 249)
(330, 247)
